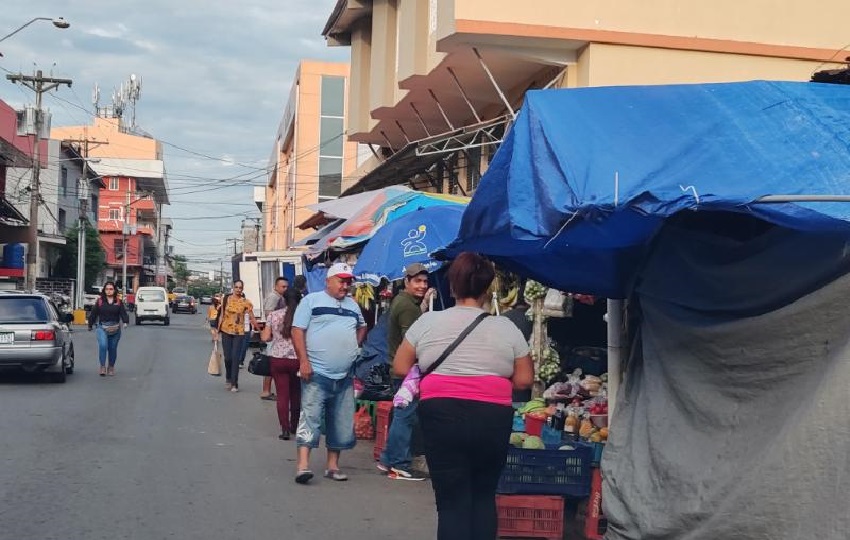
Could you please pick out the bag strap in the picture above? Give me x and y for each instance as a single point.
(450, 349)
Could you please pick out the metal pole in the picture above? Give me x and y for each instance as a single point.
(124, 231)
(495, 84)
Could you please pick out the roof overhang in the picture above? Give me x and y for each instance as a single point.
(346, 12)
(148, 173)
(419, 156)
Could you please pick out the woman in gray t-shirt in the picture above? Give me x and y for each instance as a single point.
(465, 403)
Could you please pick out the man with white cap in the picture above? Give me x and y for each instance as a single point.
(327, 330)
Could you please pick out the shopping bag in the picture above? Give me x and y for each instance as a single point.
(363, 427)
(214, 367)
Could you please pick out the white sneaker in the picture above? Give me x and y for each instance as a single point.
(234, 389)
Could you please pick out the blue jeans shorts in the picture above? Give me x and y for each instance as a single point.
(333, 401)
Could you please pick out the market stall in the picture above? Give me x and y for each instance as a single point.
(721, 213)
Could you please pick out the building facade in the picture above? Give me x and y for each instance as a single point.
(311, 159)
(439, 73)
(129, 208)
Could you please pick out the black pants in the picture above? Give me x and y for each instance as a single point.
(466, 445)
(231, 348)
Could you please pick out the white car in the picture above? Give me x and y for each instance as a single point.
(152, 305)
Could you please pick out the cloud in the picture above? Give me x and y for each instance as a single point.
(216, 77)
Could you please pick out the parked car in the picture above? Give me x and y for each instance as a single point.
(206, 299)
(34, 335)
(185, 304)
(152, 305)
(91, 296)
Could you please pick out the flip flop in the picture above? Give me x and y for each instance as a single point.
(304, 476)
(336, 475)
(270, 397)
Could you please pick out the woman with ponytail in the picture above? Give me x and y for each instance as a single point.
(283, 362)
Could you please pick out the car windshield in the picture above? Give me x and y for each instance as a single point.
(151, 296)
(23, 310)
(178, 290)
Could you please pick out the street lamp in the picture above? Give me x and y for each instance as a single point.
(58, 23)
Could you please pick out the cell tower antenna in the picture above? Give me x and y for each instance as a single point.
(132, 92)
(95, 97)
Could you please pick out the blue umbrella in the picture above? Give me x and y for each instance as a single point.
(409, 239)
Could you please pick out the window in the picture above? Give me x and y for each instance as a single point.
(115, 214)
(95, 211)
(23, 310)
(332, 137)
(330, 177)
(118, 248)
(61, 221)
(113, 184)
(63, 182)
(333, 96)
(473, 169)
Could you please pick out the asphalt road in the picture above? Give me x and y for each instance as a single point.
(162, 451)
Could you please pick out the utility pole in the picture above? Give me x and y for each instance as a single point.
(38, 84)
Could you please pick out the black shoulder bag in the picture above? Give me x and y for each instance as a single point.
(450, 349)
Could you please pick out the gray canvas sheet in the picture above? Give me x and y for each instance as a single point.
(735, 427)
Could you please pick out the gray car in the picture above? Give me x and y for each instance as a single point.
(34, 335)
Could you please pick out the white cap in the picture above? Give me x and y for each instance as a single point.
(341, 270)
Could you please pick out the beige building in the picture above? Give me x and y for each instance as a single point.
(432, 79)
(311, 159)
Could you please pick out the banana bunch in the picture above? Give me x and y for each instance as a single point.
(364, 294)
(549, 366)
(534, 290)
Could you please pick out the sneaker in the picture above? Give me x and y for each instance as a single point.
(335, 474)
(381, 467)
(401, 474)
(303, 476)
(234, 389)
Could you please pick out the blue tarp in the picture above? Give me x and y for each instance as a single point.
(586, 177)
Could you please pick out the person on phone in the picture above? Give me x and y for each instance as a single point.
(327, 331)
(108, 314)
(465, 398)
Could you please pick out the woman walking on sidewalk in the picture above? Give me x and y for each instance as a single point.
(465, 404)
(108, 314)
(284, 363)
(231, 326)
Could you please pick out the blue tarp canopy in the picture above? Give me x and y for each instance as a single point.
(586, 177)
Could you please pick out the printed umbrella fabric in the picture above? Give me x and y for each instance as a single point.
(378, 212)
(408, 239)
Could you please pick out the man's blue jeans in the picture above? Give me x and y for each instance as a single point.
(397, 451)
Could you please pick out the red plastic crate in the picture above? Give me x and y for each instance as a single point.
(530, 516)
(382, 427)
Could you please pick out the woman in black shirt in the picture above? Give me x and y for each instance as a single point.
(108, 314)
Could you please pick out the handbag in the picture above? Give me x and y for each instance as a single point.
(410, 386)
(260, 365)
(214, 366)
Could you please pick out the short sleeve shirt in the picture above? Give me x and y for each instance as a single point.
(490, 349)
(403, 313)
(279, 346)
(272, 302)
(233, 318)
(331, 332)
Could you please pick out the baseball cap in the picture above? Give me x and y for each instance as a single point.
(340, 270)
(415, 269)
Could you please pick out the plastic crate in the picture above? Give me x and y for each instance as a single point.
(549, 472)
(382, 427)
(530, 516)
(371, 406)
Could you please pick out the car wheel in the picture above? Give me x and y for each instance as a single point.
(60, 376)
(69, 366)
(167, 321)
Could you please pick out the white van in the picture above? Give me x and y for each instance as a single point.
(152, 305)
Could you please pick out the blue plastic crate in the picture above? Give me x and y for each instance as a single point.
(548, 472)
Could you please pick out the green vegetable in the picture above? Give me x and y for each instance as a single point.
(517, 439)
(532, 442)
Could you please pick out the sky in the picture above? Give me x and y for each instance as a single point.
(215, 79)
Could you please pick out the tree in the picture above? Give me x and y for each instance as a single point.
(66, 265)
(181, 269)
